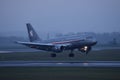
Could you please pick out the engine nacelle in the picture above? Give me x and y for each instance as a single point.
(58, 48)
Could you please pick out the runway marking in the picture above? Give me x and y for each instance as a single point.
(59, 63)
(85, 64)
(6, 51)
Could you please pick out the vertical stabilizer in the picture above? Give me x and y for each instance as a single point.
(31, 33)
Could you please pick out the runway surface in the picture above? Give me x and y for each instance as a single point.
(59, 63)
(35, 50)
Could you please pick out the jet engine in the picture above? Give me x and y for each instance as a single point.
(85, 49)
(58, 48)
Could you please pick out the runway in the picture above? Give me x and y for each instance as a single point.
(59, 63)
(35, 50)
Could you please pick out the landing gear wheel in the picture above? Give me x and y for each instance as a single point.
(71, 55)
(53, 55)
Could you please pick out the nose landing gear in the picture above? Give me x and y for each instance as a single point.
(53, 55)
(71, 55)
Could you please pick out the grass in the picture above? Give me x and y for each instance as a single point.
(107, 55)
(64, 73)
(60, 73)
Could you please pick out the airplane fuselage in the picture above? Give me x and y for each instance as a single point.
(60, 44)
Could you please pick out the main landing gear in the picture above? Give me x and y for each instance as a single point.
(71, 54)
(53, 55)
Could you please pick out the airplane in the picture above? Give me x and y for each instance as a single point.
(58, 45)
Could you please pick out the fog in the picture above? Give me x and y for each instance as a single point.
(59, 16)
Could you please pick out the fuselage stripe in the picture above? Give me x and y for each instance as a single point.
(63, 42)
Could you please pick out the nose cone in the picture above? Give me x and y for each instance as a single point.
(94, 42)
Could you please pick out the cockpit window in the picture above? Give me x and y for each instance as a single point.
(90, 38)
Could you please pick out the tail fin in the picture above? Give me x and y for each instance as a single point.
(31, 33)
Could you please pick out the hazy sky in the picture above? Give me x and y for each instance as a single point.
(59, 16)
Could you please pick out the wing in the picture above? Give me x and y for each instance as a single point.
(41, 46)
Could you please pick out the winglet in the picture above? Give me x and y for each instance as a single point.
(31, 33)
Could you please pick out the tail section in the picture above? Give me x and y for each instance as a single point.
(31, 33)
